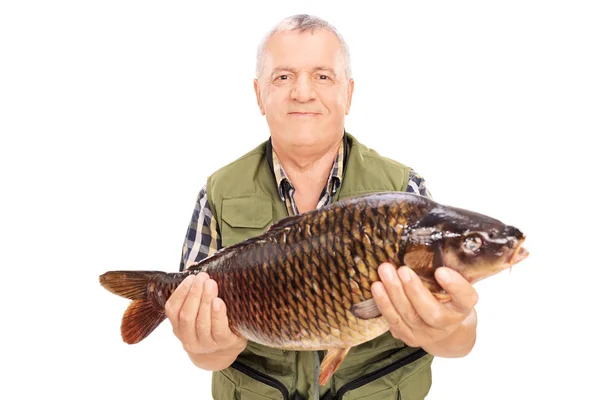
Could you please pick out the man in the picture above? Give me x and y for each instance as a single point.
(304, 89)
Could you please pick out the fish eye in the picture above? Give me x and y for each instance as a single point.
(472, 244)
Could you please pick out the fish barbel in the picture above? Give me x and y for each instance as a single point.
(305, 284)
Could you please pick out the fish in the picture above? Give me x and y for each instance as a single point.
(305, 283)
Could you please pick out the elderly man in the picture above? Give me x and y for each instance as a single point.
(304, 89)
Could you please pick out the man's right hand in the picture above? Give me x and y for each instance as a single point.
(199, 320)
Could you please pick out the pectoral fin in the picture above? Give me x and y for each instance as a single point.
(365, 309)
(420, 260)
(436, 289)
(330, 363)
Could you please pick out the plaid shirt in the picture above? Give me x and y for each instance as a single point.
(203, 238)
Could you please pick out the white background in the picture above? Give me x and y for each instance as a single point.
(113, 113)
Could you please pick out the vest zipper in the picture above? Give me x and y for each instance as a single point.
(259, 376)
(370, 377)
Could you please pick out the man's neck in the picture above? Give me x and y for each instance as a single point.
(307, 162)
(308, 171)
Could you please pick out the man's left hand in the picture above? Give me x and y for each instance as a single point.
(417, 318)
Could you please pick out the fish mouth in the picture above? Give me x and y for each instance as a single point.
(519, 254)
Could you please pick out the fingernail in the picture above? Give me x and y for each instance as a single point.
(387, 273)
(404, 274)
(189, 280)
(203, 274)
(443, 274)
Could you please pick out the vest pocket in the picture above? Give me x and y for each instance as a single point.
(386, 394)
(246, 394)
(418, 382)
(222, 387)
(405, 372)
(244, 217)
(240, 382)
(254, 384)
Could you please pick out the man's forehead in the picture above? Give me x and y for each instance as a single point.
(302, 50)
(290, 68)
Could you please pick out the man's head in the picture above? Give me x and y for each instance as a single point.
(303, 83)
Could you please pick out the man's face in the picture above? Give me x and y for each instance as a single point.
(303, 90)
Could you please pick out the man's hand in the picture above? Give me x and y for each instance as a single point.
(199, 320)
(418, 319)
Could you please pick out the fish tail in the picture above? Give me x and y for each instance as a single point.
(132, 285)
(145, 312)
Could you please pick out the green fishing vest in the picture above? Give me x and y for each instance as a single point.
(244, 199)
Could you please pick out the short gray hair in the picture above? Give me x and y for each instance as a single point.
(302, 23)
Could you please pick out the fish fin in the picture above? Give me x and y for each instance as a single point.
(285, 221)
(365, 309)
(129, 284)
(143, 314)
(139, 320)
(282, 223)
(419, 260)
(331, 362)
(424, 262)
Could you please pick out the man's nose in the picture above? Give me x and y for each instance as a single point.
(303, 89)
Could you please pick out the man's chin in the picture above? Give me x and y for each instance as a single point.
(305, 135)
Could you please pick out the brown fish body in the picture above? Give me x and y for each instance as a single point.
(294, 287)
(305, 284)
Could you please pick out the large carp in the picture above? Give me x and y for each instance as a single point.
(305, 284)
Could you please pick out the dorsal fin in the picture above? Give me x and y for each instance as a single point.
(199, 266)
(285, 221)
(282, 223)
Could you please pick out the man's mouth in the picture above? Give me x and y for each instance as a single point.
(304, 114)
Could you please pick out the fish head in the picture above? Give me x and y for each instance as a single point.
(475, 245)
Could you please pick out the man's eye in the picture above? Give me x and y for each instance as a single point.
(283, 77)
(323, 77)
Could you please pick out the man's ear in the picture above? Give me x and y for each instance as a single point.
(258, 97)
(350, 93)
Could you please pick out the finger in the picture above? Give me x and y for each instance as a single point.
(398, 327)
(431, 311)
(398, 298)
(175, 301)
(463, 294)
(220, 331)
(189, 311)
(203, 320)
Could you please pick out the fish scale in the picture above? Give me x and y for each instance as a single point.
(313, 241)
(305, 284)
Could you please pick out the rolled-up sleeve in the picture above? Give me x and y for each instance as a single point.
(417, 184)
(202, 238)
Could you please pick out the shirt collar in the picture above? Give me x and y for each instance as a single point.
(335, 175)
